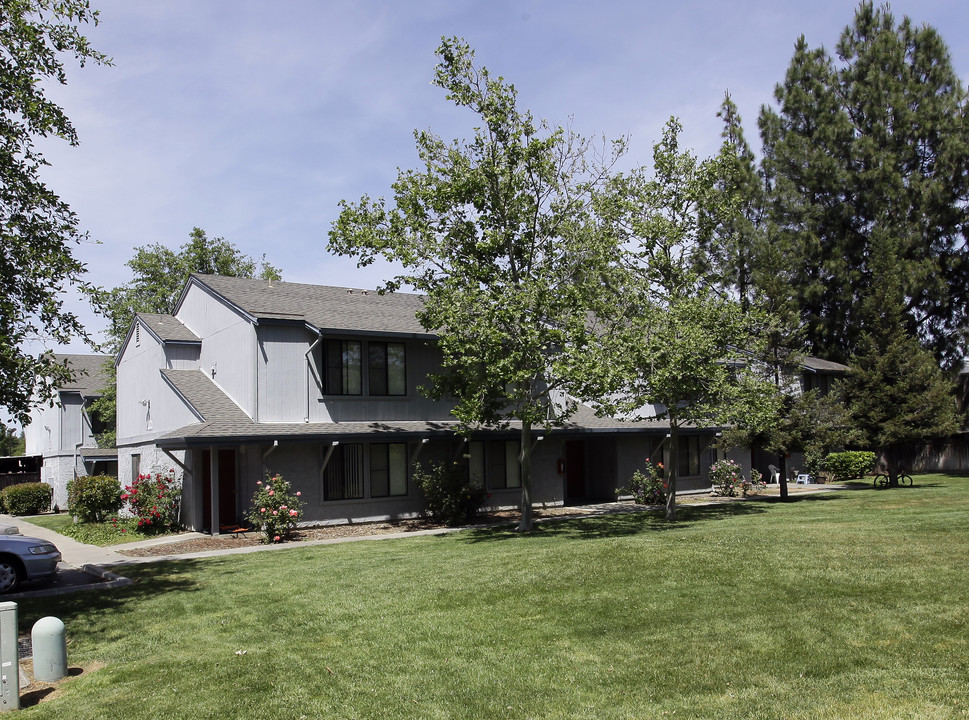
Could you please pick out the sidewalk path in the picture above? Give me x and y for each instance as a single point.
(80, 555)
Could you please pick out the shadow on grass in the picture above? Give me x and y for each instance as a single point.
(617, 524)
(149, 580)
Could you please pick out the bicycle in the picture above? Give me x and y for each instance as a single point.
(882, 480)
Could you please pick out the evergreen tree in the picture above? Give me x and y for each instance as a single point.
(737, 240)
(895, 391)
(872, 146)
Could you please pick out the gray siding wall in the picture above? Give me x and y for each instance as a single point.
(301, 464)
(72, 422)
(43, 434)
(228, 345)
(139, 380)
(182, 357)
(283, 371)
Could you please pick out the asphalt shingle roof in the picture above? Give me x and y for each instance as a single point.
(90, 380)
(168, 328)
(224, 420)
(324, 307)
(817, 364)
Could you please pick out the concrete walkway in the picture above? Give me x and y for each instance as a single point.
(91, 558)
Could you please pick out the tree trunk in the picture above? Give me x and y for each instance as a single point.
(671, 471)
(782, 480)
(891, 458)
(525, 460)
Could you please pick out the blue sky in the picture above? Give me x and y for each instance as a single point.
(252, 119)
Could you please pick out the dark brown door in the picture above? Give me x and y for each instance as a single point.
(574, 470)
(227, 487)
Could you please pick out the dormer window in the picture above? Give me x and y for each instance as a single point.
(344, 367)
(388, 370)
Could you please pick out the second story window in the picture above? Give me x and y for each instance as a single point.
(388, 371)
(344, 367)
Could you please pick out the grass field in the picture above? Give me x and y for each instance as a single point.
(844, 605)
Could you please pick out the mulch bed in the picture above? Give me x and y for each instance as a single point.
(327, 532)
(349, 530)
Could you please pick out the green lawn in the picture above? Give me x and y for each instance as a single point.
(845, 605)
(104, 534)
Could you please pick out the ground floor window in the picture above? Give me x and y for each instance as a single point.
(356, 471)
(688, 456)
(388, 469)
(689, 460)
(494, 464)
(343, 477)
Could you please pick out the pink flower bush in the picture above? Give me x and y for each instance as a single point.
(275, 509)
(648, 487)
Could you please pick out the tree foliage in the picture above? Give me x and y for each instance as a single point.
(160, 274)
(681, 345)
(11, 443)
(37, 228)
(499, 234)
(869, 147)
(896, 392)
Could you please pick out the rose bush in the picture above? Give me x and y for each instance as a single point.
(155, 500)
(275, 509)
(647, 488)
(727, 479)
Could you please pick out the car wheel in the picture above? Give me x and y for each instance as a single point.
(9, 575)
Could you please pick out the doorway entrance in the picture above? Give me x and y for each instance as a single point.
(227, 487)
(575, 490)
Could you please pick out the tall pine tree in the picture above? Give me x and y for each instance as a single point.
(867, 148)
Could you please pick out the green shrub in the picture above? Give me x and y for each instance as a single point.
(647, 488)
(276, 509)
(848, 465)
(27, 498)
(451, 500)
(93, 498)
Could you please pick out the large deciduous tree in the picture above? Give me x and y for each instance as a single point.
(499, 235)
(683, 345)
(37, 229)
(160, 274)
(868, 148)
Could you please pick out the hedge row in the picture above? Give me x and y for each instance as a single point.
(26, 498)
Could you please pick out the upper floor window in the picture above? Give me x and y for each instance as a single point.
(388, 374)
(344, 367)
(386, 368)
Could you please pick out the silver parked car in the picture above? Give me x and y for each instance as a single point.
(24, 558)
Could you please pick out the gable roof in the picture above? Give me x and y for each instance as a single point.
(167, 328)
(814, 364)
(329, 309)
(90, 380)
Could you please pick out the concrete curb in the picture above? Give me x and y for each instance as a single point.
(111, 580)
